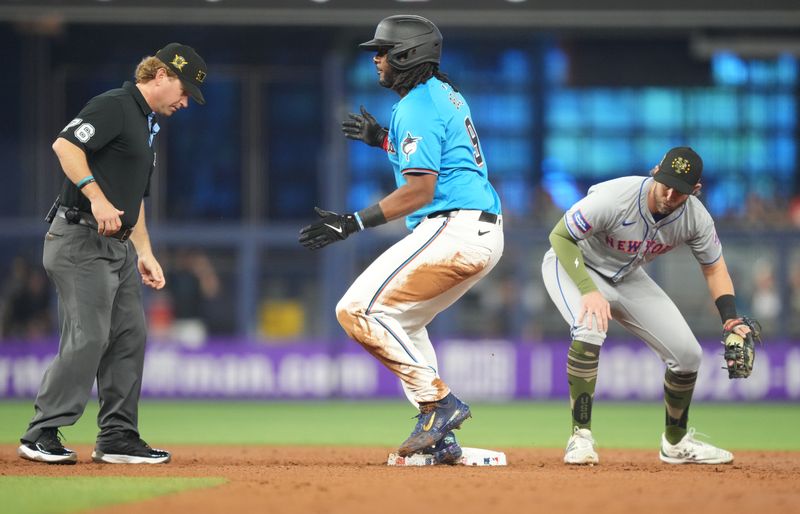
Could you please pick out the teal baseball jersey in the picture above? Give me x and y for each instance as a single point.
(431, 132)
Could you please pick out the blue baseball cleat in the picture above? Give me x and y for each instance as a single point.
(446, 451)
(434, 421)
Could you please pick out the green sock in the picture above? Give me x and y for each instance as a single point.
(582, 361)
(678, 389)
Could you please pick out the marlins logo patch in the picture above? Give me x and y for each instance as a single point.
(409, 145)
(681, 165)
(581, 222)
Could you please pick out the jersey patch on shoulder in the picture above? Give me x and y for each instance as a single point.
(71, 124)
(409, 145)
(580, 222)
(85, 132)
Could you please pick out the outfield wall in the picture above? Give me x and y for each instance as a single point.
(476, 370)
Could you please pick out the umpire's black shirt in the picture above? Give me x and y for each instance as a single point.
(114, 132)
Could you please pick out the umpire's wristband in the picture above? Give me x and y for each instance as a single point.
(370, 217)
(726, 304)
(85, 181)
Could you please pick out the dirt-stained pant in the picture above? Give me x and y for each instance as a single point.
(389, 305)
(637, 303)
(102, 332)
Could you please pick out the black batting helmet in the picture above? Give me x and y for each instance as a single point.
(411, 40)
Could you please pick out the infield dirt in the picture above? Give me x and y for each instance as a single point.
(356, 480)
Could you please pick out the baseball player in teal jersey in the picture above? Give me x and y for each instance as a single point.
(450, 207)
(593, 273)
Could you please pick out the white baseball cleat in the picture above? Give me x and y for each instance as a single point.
(691, 451)
(581, 448)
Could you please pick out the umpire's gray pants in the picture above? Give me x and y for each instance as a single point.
(102, 332)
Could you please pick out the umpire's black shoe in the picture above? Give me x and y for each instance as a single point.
(47, 448)
(129, 449)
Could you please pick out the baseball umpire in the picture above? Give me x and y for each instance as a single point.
(593, 272)
(96, 240)
(453, 213)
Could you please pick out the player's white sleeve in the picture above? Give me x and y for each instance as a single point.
(592, 213)
(705, 243)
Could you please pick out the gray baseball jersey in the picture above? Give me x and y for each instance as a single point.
(617, 234)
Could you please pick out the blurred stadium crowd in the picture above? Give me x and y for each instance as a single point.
(556, 113)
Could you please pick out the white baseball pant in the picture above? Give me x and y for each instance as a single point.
(389, 305)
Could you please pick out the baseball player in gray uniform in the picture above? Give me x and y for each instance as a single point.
(593, 273)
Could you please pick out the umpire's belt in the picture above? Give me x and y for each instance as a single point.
(87, 220)
(487, 217)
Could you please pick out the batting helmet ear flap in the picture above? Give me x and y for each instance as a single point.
(402, 58)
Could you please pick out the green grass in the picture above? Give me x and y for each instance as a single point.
(521, 424)
(499, 426)
(24, 495)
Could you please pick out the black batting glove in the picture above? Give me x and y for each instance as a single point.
(331, 228)
(364, 127)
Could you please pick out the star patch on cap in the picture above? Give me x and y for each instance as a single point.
(179, 62)
(681, 165)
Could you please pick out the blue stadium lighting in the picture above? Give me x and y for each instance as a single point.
(787, 69)
(729, 69)
(559, 185)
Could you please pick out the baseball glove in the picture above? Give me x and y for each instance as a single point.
(740, 350)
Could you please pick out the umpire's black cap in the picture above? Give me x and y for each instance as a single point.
(680, 169)
(188, 65)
